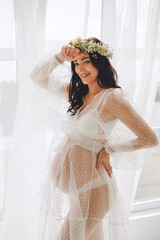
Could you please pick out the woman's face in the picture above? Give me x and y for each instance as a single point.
(85, 69)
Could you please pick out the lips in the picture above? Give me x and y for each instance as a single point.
(85, 75)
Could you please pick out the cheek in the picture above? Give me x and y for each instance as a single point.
(95, 72)
(93, 69)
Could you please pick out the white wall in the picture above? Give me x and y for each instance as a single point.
(146, 225)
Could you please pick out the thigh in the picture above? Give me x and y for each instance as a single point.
(97, 233)
(98, 208)
(93, 205)
(99, 200)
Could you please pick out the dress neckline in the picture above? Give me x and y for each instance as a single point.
(78, 113)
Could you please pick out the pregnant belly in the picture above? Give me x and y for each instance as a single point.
(77, 169)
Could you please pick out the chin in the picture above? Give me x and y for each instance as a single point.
(85, 81)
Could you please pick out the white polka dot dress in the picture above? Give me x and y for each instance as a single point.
(80, 202)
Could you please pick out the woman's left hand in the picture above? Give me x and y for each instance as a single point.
(104, 158)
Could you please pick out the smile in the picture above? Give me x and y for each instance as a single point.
(85, 75)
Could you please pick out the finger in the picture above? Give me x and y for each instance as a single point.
(79, 55)
(68, 49)
(98, 163)
(77, 51)
(73, 50)
(64, 49)
(107, 167)
(109, 172)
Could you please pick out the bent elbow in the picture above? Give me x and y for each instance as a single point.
(155, 141)
(150, 142)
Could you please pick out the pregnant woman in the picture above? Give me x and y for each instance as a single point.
(102, 131)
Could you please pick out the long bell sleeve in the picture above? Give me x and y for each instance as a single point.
(51, 78)
(130, 134)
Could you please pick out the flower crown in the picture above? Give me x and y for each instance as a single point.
(92, 47)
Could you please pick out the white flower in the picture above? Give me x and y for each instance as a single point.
(91, 47)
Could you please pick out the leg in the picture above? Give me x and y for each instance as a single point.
(98, 232)
(65, 230)
(72, 229)
(98, 207)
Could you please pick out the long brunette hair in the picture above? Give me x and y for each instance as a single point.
(107, 78)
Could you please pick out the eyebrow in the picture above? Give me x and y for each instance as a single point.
(81, 59)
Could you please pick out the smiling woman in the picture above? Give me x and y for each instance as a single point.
(81, 199)
(92, 71)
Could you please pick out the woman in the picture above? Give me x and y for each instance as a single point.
(101, 131)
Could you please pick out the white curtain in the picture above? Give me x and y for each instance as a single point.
(25, 161)
(28, 151)
(131, 28)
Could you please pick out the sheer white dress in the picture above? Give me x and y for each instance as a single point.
(80, 202)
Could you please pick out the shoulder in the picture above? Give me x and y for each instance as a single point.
(114, 98)
(114, 94)
(109, 101)
(119, 101)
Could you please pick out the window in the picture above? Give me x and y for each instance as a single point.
(64, 24)
(148, 194)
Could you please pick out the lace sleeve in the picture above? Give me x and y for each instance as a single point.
(131, 135)
(51, 78)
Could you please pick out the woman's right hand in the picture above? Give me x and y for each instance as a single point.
(68, 53)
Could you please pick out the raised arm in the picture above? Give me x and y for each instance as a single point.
(44, 76)
(41, 72)
(122, 110)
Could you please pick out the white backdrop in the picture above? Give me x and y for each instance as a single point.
(138, 71)
(26, 161)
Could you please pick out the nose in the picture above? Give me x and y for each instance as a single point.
(81, 69)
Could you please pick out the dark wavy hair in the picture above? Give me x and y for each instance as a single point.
(107, 78)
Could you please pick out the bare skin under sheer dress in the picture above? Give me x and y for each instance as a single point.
(78, 201)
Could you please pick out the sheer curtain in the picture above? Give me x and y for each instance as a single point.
(132, 29)
(25, 161)
(28, 150)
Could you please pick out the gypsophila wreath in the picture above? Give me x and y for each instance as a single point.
(92, 47)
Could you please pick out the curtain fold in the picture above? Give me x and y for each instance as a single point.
(145, 91)
(119, 29)
(30, 139)
(25, 161)
(87, 8)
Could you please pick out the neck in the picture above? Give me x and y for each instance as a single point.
(94, 89)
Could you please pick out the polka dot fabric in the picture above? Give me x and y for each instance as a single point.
(78, 201)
